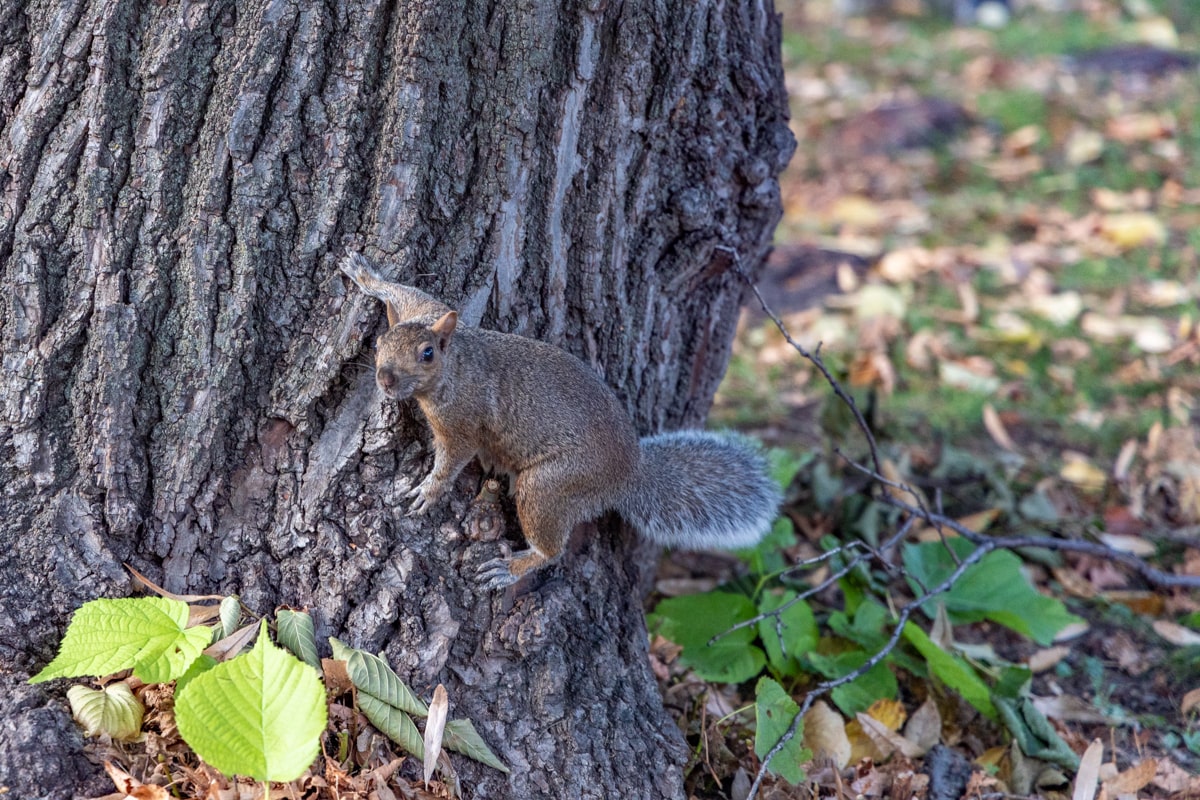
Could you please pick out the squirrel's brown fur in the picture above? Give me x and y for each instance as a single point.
(534, 411)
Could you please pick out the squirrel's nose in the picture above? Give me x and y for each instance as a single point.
(386, 379)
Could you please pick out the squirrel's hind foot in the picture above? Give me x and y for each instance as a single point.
(501, 572)
(495, 574)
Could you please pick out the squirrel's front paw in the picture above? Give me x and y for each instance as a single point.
(496, 574)
(426, 494)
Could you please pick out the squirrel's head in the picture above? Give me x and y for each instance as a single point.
(408, 357)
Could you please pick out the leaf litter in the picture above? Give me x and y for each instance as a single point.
(994, 233)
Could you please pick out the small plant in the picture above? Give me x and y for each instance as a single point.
(763, 627)
(258, 714)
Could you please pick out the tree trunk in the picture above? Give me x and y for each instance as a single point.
(186, 387)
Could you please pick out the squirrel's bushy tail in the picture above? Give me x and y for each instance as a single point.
(695, 489)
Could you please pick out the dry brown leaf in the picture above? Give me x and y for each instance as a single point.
(132, 788)
(435, 726)
(825, 735)
(1133, 779)
(1190, 701)
(1135, 545)
(1125, 460)
(1071, 631)
(887, 740)
(1073, 583)
(996, 429)
(924, 727)
(1088, 777)
(1069, 708)
(1171, 778)
(1176, 634)
(1139, 601)
(1043, 660)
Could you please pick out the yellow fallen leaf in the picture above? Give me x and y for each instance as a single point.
(856, 211)
(825, 735)
(1083, 146)
(1083, 473)
(1061, 308)
(1158, 31)
(1133, 229)
(861, 745)
(890, 713)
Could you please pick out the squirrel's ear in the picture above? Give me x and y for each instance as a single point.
(392, 314)
(446, 325)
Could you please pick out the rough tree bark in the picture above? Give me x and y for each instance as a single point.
(185, 387)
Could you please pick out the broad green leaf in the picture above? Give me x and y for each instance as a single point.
(799, 629)
(371, 674)
(951, 670)
(260, 715)
(866, 628)
(774, 711)
(201, 665)
(877, 683)
(394, 723)
(993, 589)
(146, 634)
(294, 630)
(112, 711)
(461, 737)
(693, 621)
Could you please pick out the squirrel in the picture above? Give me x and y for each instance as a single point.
(537, 413)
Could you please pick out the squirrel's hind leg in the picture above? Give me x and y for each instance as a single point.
(548, 511)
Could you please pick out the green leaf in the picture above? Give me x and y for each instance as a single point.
(231, 614)
(774, 711)
(692, 621)
(952, 670)
(146, 634)
(371, 674)
(260, 715)
(112, 711)
(200, 666)
(461, 737)
(799, 631)
(1034, 733)
(294, 630)
(877, 683)
(394, 723)
(866, 629)
(994, 589)
(383, 697)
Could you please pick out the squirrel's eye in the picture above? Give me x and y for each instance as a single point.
(427, 354)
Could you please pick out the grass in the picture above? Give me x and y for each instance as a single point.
(980, 197)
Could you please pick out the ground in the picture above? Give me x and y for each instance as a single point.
(992, 234)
